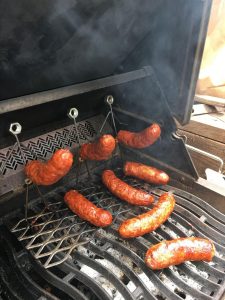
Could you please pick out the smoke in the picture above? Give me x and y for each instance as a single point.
(48, 44)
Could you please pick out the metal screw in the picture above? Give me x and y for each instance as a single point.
(15, 128)
(73, 113)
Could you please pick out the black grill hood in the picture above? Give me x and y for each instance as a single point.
(47, 44)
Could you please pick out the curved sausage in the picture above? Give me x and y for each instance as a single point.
(146, 173)
(100, 150)
(150, 220)
(124, 191)
(175, 252)
(47, 173)
(139, 140)
(86, 210)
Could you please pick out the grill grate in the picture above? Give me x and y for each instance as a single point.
(114, 268)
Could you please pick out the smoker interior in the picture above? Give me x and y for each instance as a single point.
(63, 257)
(138, 102)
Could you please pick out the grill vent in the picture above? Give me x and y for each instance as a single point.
(43, 146)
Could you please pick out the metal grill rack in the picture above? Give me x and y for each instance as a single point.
(13, 158)
(60, 235)
(43, 146)
(56, 228)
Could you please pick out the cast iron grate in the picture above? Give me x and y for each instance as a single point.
(113, 268)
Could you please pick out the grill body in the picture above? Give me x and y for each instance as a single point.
(74, 260)
(149, 69)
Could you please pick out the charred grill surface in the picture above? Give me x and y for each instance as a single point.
(83, 261)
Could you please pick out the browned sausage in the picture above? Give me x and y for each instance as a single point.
(150, 220)
(46, 173)
(124, 191)
(146, 173)
(175, 252)
(86, 210)
(100, 150)
(139, 140)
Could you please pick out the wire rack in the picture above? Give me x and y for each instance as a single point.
(56, 230)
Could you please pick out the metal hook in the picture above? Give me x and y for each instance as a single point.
(73, 114)
(109, 100)
(15, 129)
(27, 182)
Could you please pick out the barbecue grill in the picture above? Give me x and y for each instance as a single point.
(72, 72)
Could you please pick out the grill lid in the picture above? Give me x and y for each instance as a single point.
(45, 45)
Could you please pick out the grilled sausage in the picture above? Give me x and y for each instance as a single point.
(175, 252)
(47, 173)
(86, 210)
(141, 139)
(150, 220)
(100, 150)
(146, 173)
(124, 191)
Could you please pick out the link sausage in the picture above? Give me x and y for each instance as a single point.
(47, 173)
(124, 191)
(100, 150)
(150, 220)
(86, 210)
(139, 140)
(146, 173)
(175, 252)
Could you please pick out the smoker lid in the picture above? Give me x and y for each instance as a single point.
(49, 44)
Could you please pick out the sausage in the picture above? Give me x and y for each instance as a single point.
(47, 173)
(100, 150)
(86, 210)
(175, 252)
(139, 140)
(124, 191)
(150, 220)
(146, 173)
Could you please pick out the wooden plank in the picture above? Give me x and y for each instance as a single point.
(209, 126)
(202, 162)
(205, 144)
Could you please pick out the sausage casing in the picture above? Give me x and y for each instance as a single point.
(146, 173)
(124, 191)
(150, 220)
(86, 210)
(99, 150)
(175, 252)
(47, 173)
(139, 140)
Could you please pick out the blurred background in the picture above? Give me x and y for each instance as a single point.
(212, 75)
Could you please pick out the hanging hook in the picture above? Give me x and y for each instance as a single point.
(73, 114)
(109, 100)
(15, 129)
